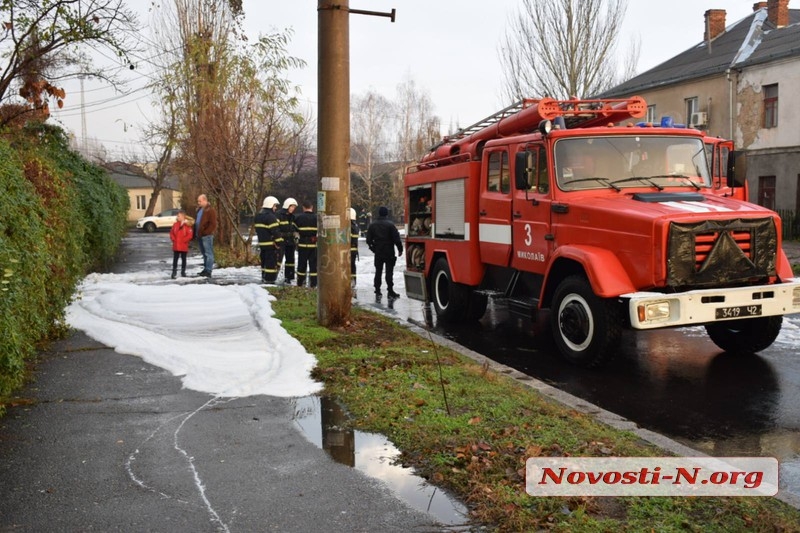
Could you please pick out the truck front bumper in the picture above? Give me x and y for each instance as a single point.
(651, 310)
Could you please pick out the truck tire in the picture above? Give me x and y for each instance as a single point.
(586, 329)
(749, 335)
(449, 299)
(477, 306)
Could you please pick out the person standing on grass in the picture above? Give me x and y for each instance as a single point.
(269, 238)
(382, 238)
(180, 234)
(306, 223)
(204, 228)
(288, 232)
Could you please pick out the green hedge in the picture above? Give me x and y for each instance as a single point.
(60, 217)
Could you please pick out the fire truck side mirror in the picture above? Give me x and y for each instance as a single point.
(523, 170)
(737, 169)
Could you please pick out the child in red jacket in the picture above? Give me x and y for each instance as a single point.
(180, 234)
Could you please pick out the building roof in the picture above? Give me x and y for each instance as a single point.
(749, 41)
(132, 177)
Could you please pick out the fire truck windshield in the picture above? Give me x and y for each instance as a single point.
(621, 161)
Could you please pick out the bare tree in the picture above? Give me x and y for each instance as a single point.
(562, 49)
(161, 137)
(371, 114)
(236, 109)
(39, 46)
(296, 154)
(417, 126)
(417, 129)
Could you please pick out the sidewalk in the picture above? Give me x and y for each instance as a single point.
(104, 441)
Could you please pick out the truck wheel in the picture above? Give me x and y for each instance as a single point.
(586, 329)
(449, 298)
(477, 306)
(749, 335)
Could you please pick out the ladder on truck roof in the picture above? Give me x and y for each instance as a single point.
(575, 112)
(526, 115)
(488, 121)
(492, 119)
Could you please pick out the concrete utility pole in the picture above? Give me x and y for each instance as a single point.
(333, 145)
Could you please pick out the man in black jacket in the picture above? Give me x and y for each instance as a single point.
(382, 238)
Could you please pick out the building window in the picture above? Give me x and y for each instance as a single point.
(141, 202)
(691, 108)
(651, 114)
(498, 177)
(771, 106)
(766, 191)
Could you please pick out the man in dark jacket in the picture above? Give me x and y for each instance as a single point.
(269, 239)
(382, 238)
(205, 225)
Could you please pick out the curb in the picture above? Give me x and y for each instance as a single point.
(568, 400)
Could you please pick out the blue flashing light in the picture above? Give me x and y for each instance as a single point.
(559, 123)
(642, 124)
(666, 122)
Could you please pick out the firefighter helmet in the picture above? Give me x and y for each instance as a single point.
(270, 202)
(289, 202)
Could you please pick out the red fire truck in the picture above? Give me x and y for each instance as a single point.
(553, 207)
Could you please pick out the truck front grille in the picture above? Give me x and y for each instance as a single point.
(704, 243)
(721, 252)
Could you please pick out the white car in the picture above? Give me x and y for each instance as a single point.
(163, 220)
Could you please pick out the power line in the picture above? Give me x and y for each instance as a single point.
(97, 106)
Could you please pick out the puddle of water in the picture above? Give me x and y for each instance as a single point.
(789, 476)
(322, 421)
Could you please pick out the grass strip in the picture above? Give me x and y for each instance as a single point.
(470, 430)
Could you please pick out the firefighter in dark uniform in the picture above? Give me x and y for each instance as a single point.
(269, 239)
(306, 223)
(382, 238)
(288, 231)
(354, 234)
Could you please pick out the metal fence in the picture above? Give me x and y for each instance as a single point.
(790, 220)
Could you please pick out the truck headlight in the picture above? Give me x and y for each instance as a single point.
(653, 311)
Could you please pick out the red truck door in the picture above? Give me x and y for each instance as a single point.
(494, 207)
(717, 151)
(531, 214)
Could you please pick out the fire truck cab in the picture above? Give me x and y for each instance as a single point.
(550, 205)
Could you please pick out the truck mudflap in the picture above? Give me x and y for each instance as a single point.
(415, 285)
(651, 310)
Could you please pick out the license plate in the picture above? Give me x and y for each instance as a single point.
(739, 311)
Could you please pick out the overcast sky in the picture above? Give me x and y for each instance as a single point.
(449, 48)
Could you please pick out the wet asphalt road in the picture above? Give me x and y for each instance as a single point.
(674, 382)
(102, 441)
